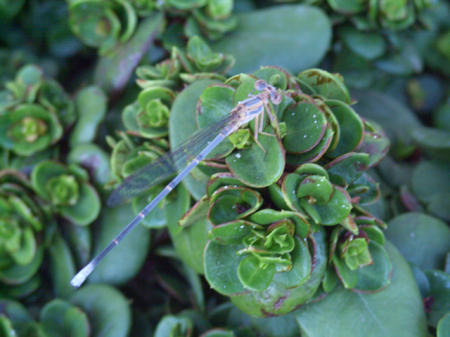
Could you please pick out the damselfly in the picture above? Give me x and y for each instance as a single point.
(205, 141)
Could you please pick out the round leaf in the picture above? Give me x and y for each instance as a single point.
(253, 275)
(301, 266)
(269, 165)
(305, 127)
(107, 309)
(397, 310)
(221, 266)
(350, 126)
(296, 28)
(421, 238)
(376, 276)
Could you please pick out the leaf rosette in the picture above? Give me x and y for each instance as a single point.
(251, 249)
(286, 194)
(33, 112)
(357, 257)
(30, 87)
(23, 217)
(148, 116)
(196, 63)
(102, 24)
(67, 190)
(29, 129)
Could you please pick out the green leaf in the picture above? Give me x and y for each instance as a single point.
(366, 44)
(420, 238)
(366, 188)
(189, 241)
(87, 208)
(305, 127)
(59, 318)
(221, 265)
(351, 128)
(326, 84)
(347, 7)
(17, 314)
(347, 168)
(107, 309)
(91, 106)
(314, 154)
(376, 145)
(17, 274)
(27, 249)
(233, 203)
(440, 293)
(62, 267)
(348, 277)
(171, 325)
(217, 332)
(269, 164)
(396, 119)
(332, 212)
(263, 37)
(255, 275)
(29, 129)
(6, 327)
(443, 328)
(376, 276)
(232, 233)
(282, 326)
(269, 216)
(216, 103)
(430, 179)
(317, 187)
(301, 266)
(397, 310)
(434, 142)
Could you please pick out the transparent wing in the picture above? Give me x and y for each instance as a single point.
(158, 171)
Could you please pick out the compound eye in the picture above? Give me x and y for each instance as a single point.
(260, 85)
(276, 97)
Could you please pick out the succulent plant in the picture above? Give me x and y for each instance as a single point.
(33, 112)
(102, 24)
(198, 62)
(24, 219)
(67, 190)
(286, 218)
(268, 232)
